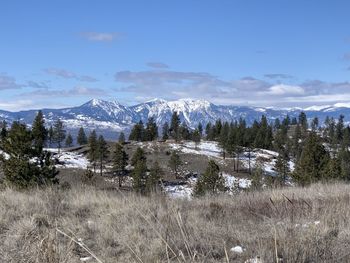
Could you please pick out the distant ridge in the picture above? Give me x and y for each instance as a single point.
(112, 116)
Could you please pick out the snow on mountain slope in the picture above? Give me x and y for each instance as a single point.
(111, 117)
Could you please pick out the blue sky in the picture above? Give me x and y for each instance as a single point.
(262, 53)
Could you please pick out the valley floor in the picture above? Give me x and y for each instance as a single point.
(85, 224)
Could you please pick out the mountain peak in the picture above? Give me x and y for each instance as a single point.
(156, 100)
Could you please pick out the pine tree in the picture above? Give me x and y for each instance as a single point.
(303, 122)
(121, 138)
(81, 139)
(139, 176)
(102, 152)
(223, 138)
(208, 132)
(332, 169)
(211, 182)
(137, 133)
(50, 136)
(296, 142)
(174, 126)
(165, 131)
(3, 132)
(151, 132)
(139, 155)
(314, 124)
(152, 180)
(313, 160)
(59, 134)
(196, 137)
(39, 132)
(200, 129)
(93, 151)
(184, 132)
(120, 161)
(69, 140)
(282, 166)
(24, 166)
(339, 129)
(175, 162)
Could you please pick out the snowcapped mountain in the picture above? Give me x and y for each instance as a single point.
(111, 117)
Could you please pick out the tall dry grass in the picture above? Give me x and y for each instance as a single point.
(287, 225)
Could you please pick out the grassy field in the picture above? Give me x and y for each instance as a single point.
(287, 225)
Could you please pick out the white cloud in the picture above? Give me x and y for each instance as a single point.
(7, 82)
(69, 74)
(158, 65)
(78, 91)
(283, 89)
(100, 36)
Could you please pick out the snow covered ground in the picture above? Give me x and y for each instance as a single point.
(232, 184)
(70, 159)
(265, 158)
(207, 148)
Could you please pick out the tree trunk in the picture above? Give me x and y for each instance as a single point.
(250, 171)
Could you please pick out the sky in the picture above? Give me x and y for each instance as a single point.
(276, 53)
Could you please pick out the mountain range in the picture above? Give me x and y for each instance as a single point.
(111, 117)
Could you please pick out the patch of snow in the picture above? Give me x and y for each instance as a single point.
(254, 260)
(179, 191)
(84, 259)
(237, 249)
(70, 159)
(207, 148)
(233, 182)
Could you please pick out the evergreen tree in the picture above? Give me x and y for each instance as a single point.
(139, 176)
(223, 137)
(294, 121)
(120, 161)
(151, 132)
(93, 151)
(121, 138)
(332, 169)
(102, 152)
(24, 166)
(211, 182)
(196, 137)
(200, 129)
(139, 155)
(282, 166)
(303, 122)
(296, 142)
(152, 180)
(39, 132)
(314, 124)
(69, 140)
(137, 133)
(50, 135)
(209, 132)
(59, 134)
(175, 162)
(184, 132)
(165, 131)
(81, 139)
(277, 124)
(313, 160)
(3, 132)
(339, 129)
(175, 126)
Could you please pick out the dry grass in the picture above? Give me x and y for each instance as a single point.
(63, 226)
